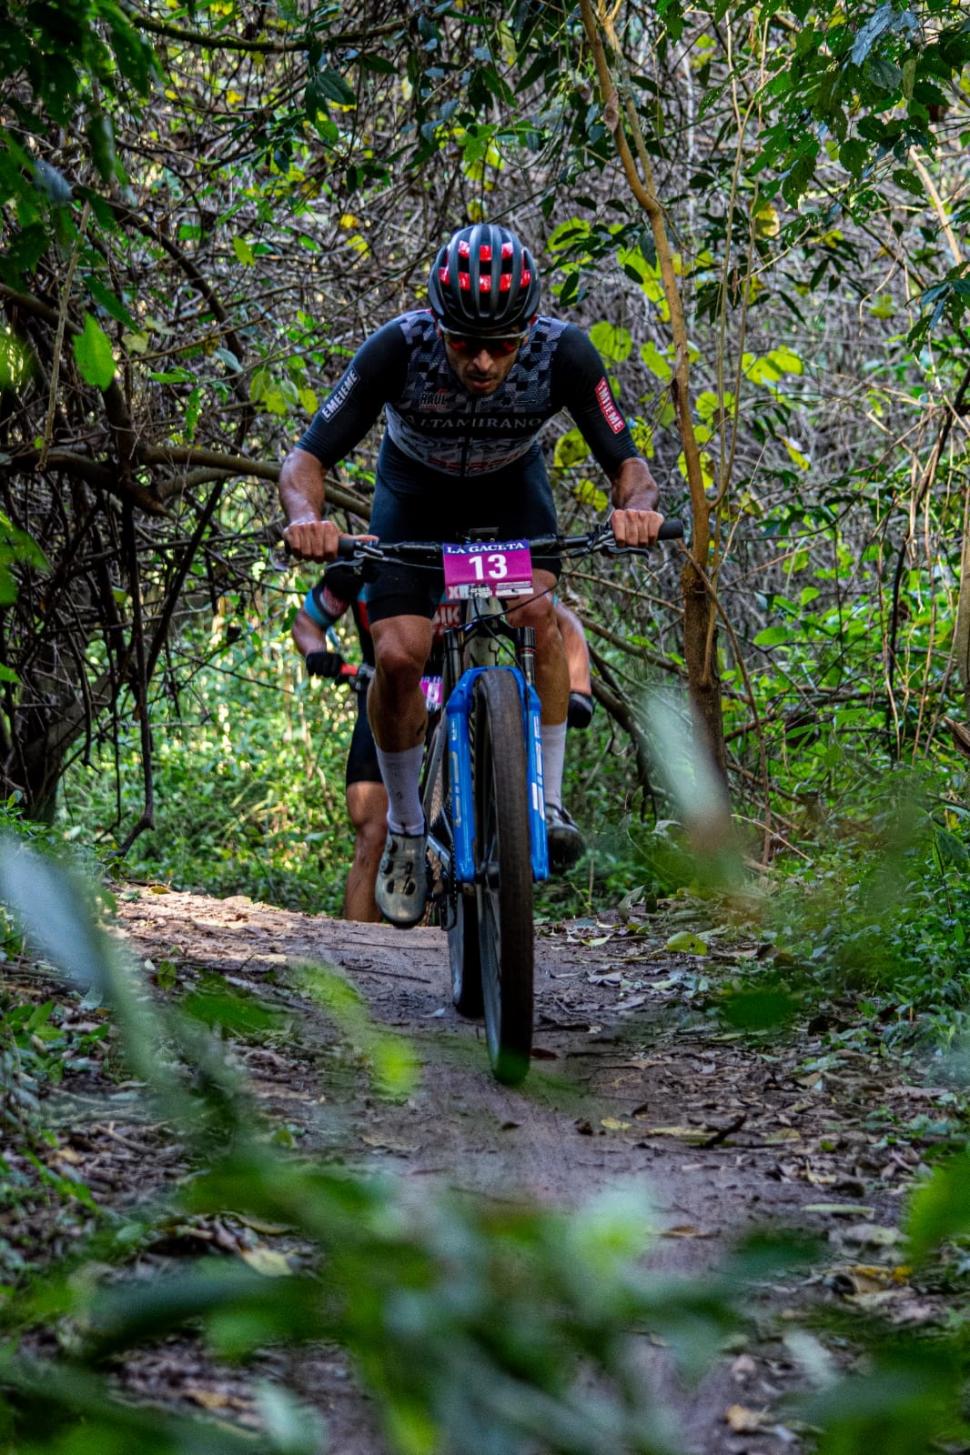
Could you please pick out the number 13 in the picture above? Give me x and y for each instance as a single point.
(497, 567)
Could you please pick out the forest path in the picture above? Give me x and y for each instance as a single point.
(628, 1083)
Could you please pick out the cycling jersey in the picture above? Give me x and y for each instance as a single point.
(435, 422)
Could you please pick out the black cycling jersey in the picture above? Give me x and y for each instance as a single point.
(437, 423)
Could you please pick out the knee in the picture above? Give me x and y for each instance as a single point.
(399, 664)
(540, 614)
(400, 656)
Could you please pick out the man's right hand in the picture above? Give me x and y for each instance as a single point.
(311, 539)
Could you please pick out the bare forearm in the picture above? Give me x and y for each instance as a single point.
(307, 635)
(302, 492)
(309, 535)
(634, 488)
(636, 521)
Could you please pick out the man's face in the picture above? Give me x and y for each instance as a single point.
(481, 364)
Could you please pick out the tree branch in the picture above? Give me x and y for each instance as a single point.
(255, 47)
(239, 465)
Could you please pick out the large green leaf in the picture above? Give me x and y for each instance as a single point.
(92, 349)
(613, 342)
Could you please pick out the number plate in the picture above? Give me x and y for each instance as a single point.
(488, 568)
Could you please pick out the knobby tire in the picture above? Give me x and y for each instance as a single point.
(463, 954)
(504, 890)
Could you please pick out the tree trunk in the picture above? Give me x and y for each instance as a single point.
(961, 643)
(700, 608)
(700, 656)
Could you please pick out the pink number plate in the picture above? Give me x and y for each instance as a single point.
(487, 568)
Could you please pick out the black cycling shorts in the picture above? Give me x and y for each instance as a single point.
(411, 504)
(362, 764)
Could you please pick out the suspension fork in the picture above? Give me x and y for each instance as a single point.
(525, 640)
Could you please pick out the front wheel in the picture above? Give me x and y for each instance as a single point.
(458, 910)
(466, 965)
(504, 874)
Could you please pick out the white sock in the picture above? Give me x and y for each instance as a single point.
(401, 773)
(553, 755)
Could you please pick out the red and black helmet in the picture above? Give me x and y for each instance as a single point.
(484, 281)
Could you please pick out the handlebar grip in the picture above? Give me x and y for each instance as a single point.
(347, 548)
(672, 529)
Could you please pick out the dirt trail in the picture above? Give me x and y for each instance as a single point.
(627, 1082)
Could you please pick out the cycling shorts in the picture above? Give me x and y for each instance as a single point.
(412, 504)
(362, 766)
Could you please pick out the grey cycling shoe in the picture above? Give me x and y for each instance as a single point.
(565, 842)
(402, 879)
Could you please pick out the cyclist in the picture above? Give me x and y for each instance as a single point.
(467, 385)
(341, 590)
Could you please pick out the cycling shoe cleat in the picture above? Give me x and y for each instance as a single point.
(402, 879)
(563, 837)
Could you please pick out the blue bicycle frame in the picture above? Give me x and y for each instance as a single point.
(458, 712)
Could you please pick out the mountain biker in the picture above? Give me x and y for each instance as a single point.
(341, 590)
(467, 385)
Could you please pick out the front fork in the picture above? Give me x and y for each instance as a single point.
(458, 714)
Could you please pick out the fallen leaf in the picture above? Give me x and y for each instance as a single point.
(840, 1209)
(871, 1235)
(258, 1225)
(743, 1367)
(387, 1144)
(159, 889)
(684, 1134)
(865, 1278)
(744, 1421)
(266, 1261)
(685, 942)
(685, 1230)
(612, 1125)
(209, 1399)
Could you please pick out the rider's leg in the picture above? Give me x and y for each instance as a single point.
(552, 681)
(552, 671)
(398, 716)
(577, 657)
(367, 807)
(552, 678)
(577, 652)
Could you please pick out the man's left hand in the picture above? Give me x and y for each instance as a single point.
(633, 527)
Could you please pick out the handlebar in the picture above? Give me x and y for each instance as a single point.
(429, 552)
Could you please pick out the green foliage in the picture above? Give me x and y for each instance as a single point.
(92, 349)
(466, 1320)
(249, 775)
(58, 62)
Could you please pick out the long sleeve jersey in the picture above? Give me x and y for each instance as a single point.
(403, 368)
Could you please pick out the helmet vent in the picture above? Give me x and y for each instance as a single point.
(484, 281)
